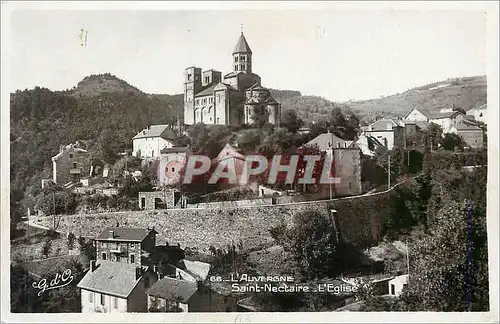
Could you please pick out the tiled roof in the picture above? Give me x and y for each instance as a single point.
(207, 91)
(325, 141)
(114, 278)
(199, 269)
(167, 150)
(163, 131)
(173, 289)
(270, 100)
(467, 126)
(223, 86)
(383, 124)
(124, 234)
(257, 87)
(422, 124)
(242, 46)
(232, 74)
(440, 115)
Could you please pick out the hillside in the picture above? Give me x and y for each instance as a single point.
(466, 92)
(95, 85)
(107, 117)
(107, 112)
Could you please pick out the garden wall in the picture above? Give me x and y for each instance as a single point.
(359, 219)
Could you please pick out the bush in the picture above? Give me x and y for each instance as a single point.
(47, 246)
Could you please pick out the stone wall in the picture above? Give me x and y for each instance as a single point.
(168, 198)
(360, 220)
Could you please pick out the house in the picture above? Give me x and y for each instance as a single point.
(397, 284)
(229, 156)
(303, 130)
(479, 113)
(446, 117)
(71, 164)
(150, 141)
(125, 245)
(192, 270)
(172, 161)
(472, 134)
(170, 295)
(369, 145)
(389, 132)
(326, 141)
(346, 164)
(114, 287)
(161, 199)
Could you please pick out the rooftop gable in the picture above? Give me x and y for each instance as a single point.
(125, 234)
(113, 278)
(163, 131)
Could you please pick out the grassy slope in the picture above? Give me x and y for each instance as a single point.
(466, 93)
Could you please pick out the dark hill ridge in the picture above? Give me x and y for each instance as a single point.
(97, 84)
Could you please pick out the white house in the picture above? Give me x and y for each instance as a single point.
(479, 113)
(149, 142)
(114, 287)
(389, 132)
(446, 117)
(397, 284)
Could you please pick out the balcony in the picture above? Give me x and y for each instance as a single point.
(116, 250)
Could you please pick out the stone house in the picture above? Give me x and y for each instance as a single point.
(389, 132)
(346, 164)
(114, 287)
(446, 117)
(168, 198)
(150, 141)
(472, 134)
(71, 164)
(125, 245)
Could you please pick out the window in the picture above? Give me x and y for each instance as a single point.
(393, 289)
(91, 296)
(189, 76)
(102, 300)
(132, 258)
(173, 169)
(74, 165)
(236, 68)
(146, 281)
(236, 59)
(70, 155)
(115, 302)
(207, 79)
(103, 255)
(242, 67)
(242, 59)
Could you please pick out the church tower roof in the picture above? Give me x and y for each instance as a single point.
(242, 46)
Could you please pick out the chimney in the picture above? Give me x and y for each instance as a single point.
(138, 273)
(92, 265)
(111, 234)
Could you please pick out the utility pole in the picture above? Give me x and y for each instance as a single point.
(408, 257)
(54, 208)
(389, 174)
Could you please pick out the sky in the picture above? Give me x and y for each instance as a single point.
(337, 54)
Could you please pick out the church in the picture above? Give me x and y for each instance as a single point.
(235, 99)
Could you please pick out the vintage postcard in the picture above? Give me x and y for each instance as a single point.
(249, 162)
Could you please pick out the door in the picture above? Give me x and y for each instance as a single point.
(143, 202)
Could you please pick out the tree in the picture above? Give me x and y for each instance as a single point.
(47, 246)
(71, 240)
(260, 116)
(440, 273)
(452, 141)
(311, 241)
(291, 121)
(434, 133)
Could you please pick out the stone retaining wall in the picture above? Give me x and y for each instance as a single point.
(360, 220)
